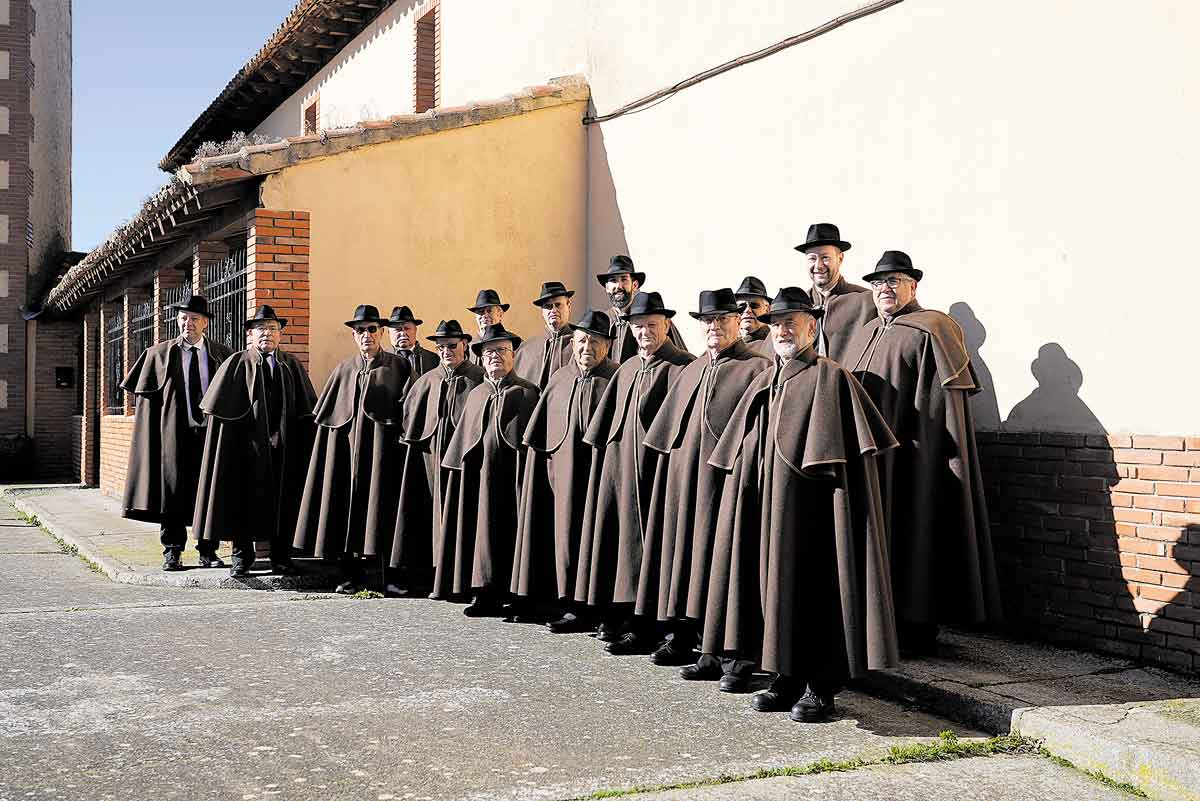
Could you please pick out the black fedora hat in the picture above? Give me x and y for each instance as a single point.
(716, 301)
(448, 329)
(402, 314)
(553, 289)
(790, 299)
(486, 298)
(648, 303)
(894, 261)
(365, 313)
(264, 314)
(751, 287)
(594, 322)
(823, 234)
(620, 265)
(197, 304)
(495, 333)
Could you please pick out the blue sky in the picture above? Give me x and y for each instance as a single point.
(144, 70)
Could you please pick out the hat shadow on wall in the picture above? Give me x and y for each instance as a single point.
(1057, 495)
(605, 225)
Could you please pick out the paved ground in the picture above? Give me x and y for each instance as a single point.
(126, 692)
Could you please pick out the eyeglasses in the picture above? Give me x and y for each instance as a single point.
(754, 307)
(496, 351)
(713, 319)
(892, 281)
(366, 329)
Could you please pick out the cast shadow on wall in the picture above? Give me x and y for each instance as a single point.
(1068, 524)
(605, 225)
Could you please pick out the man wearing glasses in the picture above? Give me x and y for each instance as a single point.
(259, 407)
(753, 301)
(348, 509)
(486, 457)
(914, 364)
(847, 307)
(432, 409)
(687, 493)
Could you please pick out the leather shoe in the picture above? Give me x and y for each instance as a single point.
(483, 607)
(734, 683)
(812, 707)
(779, 697)
(570, 623)
(630, 643)
(706, 668)
(668, 654)
(285, 569)
(346, 588)
(607, 632)
(210, 560)
(172, 561)
(393, 590)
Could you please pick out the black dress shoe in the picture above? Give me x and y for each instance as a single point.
(608, 632)
(668, 654)
(346, 588)
(779, 697)
(706, 668)
(631, 643)
(210, 560)
(570, 623)
(285, 569)
(812, 707)
(481, 606)
(734, 683)
(393, 590)
(172, 562)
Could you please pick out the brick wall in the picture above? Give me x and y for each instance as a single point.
(116, 432)
(87, 460)
(277, 252)
(78, 432)
(58, 346)
(1098, 540)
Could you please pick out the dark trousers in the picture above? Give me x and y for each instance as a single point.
(243, 551)
(173, 533)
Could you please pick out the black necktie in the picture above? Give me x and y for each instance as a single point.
(194, 389)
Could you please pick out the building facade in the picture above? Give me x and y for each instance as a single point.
(38, 381)
(1042, 176)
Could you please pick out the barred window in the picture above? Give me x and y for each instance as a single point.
(114, 360)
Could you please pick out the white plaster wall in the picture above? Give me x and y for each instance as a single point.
(372, 78)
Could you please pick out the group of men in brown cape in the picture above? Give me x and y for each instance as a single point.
(803, 498)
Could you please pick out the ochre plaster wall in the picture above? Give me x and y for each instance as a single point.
(429, 221)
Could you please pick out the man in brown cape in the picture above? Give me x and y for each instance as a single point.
(488, 310)
(554, 493)
(753, 300)
(687, 493)
(539, 357)
(622, 283)
(402, 330)
(169, 379)
(914, 364)
(622, 479)
(847, 307)
(486, 455)
(348, 509)
(432, 408)
(259, 408)
(804, 523)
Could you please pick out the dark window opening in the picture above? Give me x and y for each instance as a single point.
(427, 62)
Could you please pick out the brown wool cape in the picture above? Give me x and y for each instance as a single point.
(486, 457)
(687, 493)
(554, 491)
(848, 307)
(159, 488)
(917, 371)
(762, 342)
(540, 357)
(351, 490)
(432, 409)
(426, 360)
(625, 345)
(245, 485)
(621, 481)
(801, 563)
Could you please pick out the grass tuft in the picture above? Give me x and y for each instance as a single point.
(367, 594)
(1099, 776)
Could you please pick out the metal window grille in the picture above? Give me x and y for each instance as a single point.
(141, 327)
(225, 285)
(114, 361)
(168, 328)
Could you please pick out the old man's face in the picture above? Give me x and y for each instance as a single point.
(191, 325)
(650, 332)
(491, 315)
(892, 292)
(793, 333)
(824, 266)
(556, 312)
(404, 336)
(589, 349)
(451, 350)
(498, 359)
(265, 336)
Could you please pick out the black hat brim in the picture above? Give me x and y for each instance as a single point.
(668, 313)
(840, 244)
(815, 313)
(570, 293)
(367, 321)
(251, 323)
(749, 295)
(914, 274)
(603, 277)
(698, 315)
(464, 336)
(477, 348)
(479, 309)
(178, 307)
(606, 334)
(394, 323)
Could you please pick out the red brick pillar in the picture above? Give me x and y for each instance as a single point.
(165, 278)
(277, 253)
(89, 435)
(202, 254)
